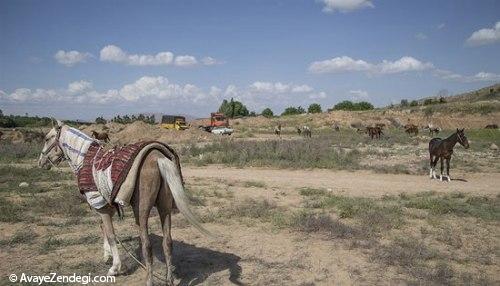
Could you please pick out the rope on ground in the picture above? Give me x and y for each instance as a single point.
(156, 275)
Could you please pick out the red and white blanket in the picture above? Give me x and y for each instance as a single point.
(109, 176)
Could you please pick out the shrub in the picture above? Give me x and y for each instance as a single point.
(404, 102)
(414, 103)
(267, 113)
(314, 108)
(293, 110)
(349, 105)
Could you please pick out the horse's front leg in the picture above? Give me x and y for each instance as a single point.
(448, 168)
(105, 245)
(442, 169)
(107, 222)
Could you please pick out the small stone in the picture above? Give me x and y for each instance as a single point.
(24, 185)
(493, 146)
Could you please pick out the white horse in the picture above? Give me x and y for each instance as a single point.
(159, 184)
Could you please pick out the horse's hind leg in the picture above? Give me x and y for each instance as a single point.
(164, 203)
(144, 199)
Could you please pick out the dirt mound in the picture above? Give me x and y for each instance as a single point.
(17, 136)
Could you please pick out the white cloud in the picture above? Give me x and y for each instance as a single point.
(185, 61)
(485, 36)
(359, 95)
(77, 87)
(345, 5)
(278, 88)
(71, 58)
(440, 26)
(478, 77)
(421, 36)
(339, 64)
(112, 53)
(317, 95)
(209, 61)
(302, 88)
(347, 64)
(404, 64)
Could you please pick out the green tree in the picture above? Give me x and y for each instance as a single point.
(267, 112)
(290, 111)
(414, 103)
(100, 120)
(344, 105)
(233, 108)
(404, 102)
(314, 108)
(363, 105)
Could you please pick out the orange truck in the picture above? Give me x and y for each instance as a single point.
(219, 124)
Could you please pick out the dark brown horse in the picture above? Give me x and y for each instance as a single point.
(374, 132)
(491, 126)
(103, 136)
(410, 128)
(440, 149)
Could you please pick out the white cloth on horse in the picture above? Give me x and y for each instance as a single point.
(75, 145)
(103, 182)
(95, 200)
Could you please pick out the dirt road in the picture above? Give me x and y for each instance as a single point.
(359, 183)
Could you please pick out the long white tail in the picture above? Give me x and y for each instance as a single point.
(171, 176)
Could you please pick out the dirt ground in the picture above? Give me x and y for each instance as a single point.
(275, 226)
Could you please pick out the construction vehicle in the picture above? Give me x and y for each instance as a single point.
(219, 124)
(173, 122)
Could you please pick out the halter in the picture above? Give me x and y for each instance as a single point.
(52, 146)
(460, 139)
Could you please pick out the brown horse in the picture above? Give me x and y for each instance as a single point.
(159, 184)
(440, 149)
(411, 129)
(277, 130)
(491, 126)
(374, 132)
(103, 136)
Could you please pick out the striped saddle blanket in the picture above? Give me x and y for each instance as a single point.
(103, 171)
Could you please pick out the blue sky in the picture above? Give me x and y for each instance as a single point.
(81, 59)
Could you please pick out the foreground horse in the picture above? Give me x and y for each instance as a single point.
(100, 136)
(306, 131)
(159, 183)
(440, 149)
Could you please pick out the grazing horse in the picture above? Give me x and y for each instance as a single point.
(277, 130)
(374, 132)
(100, 136)
(158, 183)
(336, 127)
(306, 131)
(440, 149)
(299, 131)
(433, 130)
(491, 126)
(410, 128)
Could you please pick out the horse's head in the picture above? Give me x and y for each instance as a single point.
(462, 139)
(52, 153)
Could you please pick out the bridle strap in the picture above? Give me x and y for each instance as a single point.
(52, 146)
(460, 139)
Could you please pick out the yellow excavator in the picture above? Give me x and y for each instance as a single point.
(173, 122)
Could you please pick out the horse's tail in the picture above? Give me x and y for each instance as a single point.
(171, 176)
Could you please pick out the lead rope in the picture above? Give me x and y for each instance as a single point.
(156, 275)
